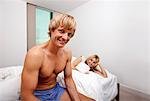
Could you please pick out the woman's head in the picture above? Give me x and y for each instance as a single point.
(92, 61)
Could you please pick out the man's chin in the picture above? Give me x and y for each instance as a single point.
(61, 46)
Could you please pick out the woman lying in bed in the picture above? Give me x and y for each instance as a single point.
(93, 62)
(91, 79)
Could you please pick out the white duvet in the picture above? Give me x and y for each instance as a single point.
(93, 85)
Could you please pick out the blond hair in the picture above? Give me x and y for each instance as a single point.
(66, 21)
(93, 56)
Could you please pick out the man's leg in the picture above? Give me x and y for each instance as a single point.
(66, 97)
(84, 98)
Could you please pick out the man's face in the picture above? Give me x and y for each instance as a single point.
(61, 36)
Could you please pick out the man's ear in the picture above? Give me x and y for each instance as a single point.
(52, 31)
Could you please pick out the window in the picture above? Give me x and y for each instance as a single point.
(43, 17)
(37, 24)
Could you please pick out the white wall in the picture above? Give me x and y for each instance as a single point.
(149, 40)
(13, 39)
(117, 31)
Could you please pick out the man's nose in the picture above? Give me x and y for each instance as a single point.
(65, 36)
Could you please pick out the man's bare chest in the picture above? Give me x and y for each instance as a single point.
(52, 66)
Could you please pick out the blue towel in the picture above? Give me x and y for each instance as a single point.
(53, 94)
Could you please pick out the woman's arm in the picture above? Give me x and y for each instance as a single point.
(76, 62)
(102, 71)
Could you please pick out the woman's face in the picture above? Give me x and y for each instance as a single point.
(92, 62)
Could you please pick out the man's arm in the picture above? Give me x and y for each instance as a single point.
(70, 85)
(29, 79)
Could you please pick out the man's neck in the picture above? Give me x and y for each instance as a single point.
(52, 48)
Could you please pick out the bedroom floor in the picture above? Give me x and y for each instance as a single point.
(127, 96)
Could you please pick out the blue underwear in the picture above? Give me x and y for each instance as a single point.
(53, 94)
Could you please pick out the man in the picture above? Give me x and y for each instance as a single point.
(44, 62)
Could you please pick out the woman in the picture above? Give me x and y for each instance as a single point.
(93, 62)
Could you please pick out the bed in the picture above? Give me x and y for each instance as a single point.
(93, 85)
(10, 83)
(90, 85)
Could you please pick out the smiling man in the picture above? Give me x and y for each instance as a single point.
(44, 62)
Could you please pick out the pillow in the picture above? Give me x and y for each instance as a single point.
(10, 72)
(83, 68)
(73, 58)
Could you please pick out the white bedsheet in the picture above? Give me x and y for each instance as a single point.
(10, 83)
(93, 85)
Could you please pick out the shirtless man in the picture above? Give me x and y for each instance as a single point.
(44, 62)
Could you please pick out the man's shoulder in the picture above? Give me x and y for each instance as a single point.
(34, 58)
(35, 51)
(67, 51)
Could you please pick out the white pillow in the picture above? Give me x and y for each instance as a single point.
(83, 68)
(73, 58)
(10, 72)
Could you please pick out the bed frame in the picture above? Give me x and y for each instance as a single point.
(117, 98)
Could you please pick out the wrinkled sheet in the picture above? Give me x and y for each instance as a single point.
(93, 85)
(10, 80)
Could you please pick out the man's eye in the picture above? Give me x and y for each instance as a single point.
(70, 35)
(61, 31)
